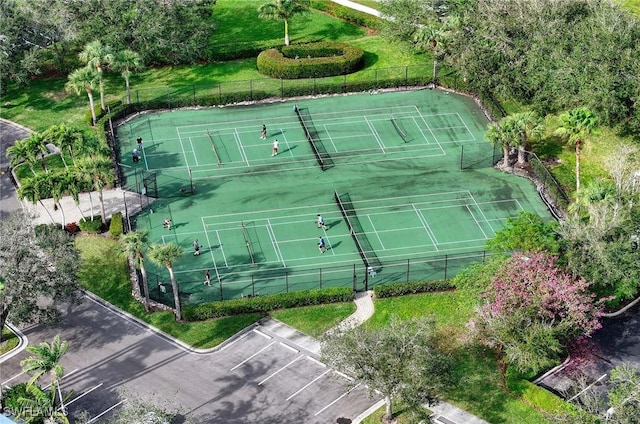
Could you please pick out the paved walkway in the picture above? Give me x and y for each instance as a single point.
(444, 413)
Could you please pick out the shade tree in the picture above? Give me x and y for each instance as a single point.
(166, 255)
(400, 360)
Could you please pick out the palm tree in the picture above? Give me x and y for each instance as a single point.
(166, 254)
(37, 146)
(40, 407)
(58, 183)
(497, 136)
(133, 243)
(523, 127)
(35, 189)
(127, 62)
(65, 137)
(75, 185)
(97, 56)
(283, 10)
(576, 125)
(435, 36)
(99, 171)
(21, 152)
(84, 79)
(46, 361)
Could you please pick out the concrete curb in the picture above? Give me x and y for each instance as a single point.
(23, 342)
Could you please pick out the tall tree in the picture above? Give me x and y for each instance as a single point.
(46, 359)
(398, 360)
(99, 171)
(283, 10)
(532, 309)
(576, 125)
(522, 128)
(167, 254)
(127, 62)
(133, 243)
(84, 80)
(435, 36)
(36, 189)
(98, 56)
(35, 266)
(65, 137)
(20, 152)
(496, 135)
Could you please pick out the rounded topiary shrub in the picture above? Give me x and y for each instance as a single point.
(311, 60)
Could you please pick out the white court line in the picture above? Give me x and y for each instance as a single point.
(375, 231)
(421, 132)
(274, 242)
(375, 134)
(310, 383)
(281, 369)
(335, 148)
(465, 125)
(193, 150)
(255, 354)
(427, 125)
(286, 142)
(477, 223)
(343, 395)
(224, 257)
(236, 136)
(481, 211)
(186, 161)
(213, 258)
(426, 228)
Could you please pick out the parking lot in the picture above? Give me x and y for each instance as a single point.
(260, 377)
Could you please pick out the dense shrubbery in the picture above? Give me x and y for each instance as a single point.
(116, 227)
(350, 15)
(91, 225)
(265, 304)
(412, 287)
(311, 60)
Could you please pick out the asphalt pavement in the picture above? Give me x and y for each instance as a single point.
(9, 133)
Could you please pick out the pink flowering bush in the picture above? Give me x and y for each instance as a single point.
(532, 310)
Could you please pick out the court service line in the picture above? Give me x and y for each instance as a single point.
(480, 209)
(477, 223)
(186, 161)
(286, 142)
(330, 138)
(375, 134)
(193, 150)
(213, 258)
(426, 228)
(343, 395)
(255, 354)
(281, 369)
(428, 127)
(310, 383)
(465, 125)
(421, 132)
(274, 242)
(375, 231)
(236, 136)
(224, 257)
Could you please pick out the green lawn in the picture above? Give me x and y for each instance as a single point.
(9, 341)
(315, 320)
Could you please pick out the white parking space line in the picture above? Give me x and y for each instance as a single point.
(62, 381)
(309, 384)
(344, 375)
(343, 395)
(4, 383)
(284, 367)
(262, 334)
(234, 342)
(255, 354)
(289, 347)
(312, 359)
(81, 396)
(106, 411)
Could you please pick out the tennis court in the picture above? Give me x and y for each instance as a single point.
(386, 171)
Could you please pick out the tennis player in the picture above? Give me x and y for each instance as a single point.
(321, 245)
(275, 148)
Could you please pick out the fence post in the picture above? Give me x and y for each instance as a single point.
(169, 96)
(408, 267)
(219, 93)
(194, 95)
(253, 286)
(281, 88)
(446, 264)
(406, 76)
(366, 279)
(220, 284)
(320, 278)
(286, 282)
(251, 89)
(355, 279)
(344, 84)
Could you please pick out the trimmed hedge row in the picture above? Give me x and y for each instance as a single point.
(264, 304)
(346, 13)
(249, 49)
(413, 287)
(311, 60)
(116, 227)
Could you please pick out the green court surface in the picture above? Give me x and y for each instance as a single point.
(403, 181)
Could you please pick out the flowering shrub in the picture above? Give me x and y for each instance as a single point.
(72, 228)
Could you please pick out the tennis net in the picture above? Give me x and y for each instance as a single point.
(401, 131)
(214, 148)
(363, 245)
(323, 158)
